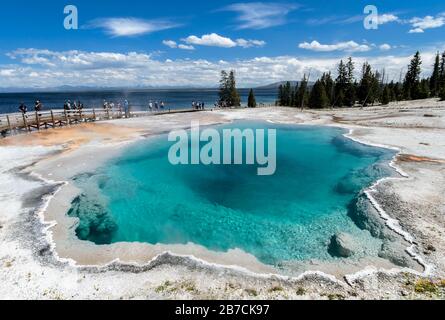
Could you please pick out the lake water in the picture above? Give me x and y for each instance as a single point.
(139, 99)
(290, 216)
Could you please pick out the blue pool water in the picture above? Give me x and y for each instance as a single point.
(141, 197)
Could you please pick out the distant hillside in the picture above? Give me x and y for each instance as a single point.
(276, 85)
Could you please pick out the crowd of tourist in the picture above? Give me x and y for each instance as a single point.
(156, 105)
(107, 105)
(198, 105)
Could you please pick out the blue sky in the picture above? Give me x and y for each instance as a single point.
(186, 43)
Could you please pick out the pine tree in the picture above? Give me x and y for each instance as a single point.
(350, 91)
(398, 92)
(386, 95)
(442, 94)
(302, 95)
(411, 85)
(375, 87)
(340, 84)
(424, 89)
(328, 83)
(318, 98)
(296, 102)
(235, 99)
(294, 96)
(442, 73)
(224, 92)
(369, 87)
(280, 95)
(251, 101)
(392, 92)
(287, 94)
(435, 77)
(365, 85)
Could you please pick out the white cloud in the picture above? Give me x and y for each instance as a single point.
(174, 45)
(170, 43)
(250, 43)
(419, 25)
(79, 60)
(385, 47)
(349, 46)
(215, 40)
(416, 30)
(387, 18)
(7, 72)
(143, 69)
(186, 47)
(211, 40)
(259, 15)
(129, 27)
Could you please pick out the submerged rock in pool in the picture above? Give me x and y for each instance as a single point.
(366, 217)
(356, 180)
(342, 245)
(95, 222)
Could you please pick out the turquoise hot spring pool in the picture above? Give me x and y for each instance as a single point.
(289, 216)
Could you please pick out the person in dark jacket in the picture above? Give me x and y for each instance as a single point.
(38, 106)
(23, 108)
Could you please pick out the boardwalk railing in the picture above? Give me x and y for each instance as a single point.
(38, 120)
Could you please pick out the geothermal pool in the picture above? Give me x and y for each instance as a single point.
(285, 217)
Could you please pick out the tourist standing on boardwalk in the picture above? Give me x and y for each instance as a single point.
(150, 106)
(23, 108)
(162, 105)
(38, 106)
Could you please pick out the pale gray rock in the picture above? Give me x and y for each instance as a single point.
(396, 253)
(342, 245)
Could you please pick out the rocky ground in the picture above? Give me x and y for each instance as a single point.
(414, 205)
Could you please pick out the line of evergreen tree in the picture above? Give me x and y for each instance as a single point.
(345, 85)
(294, 97)
(318, 98)
(371, 88)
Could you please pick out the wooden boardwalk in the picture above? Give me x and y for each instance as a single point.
(13, 123)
